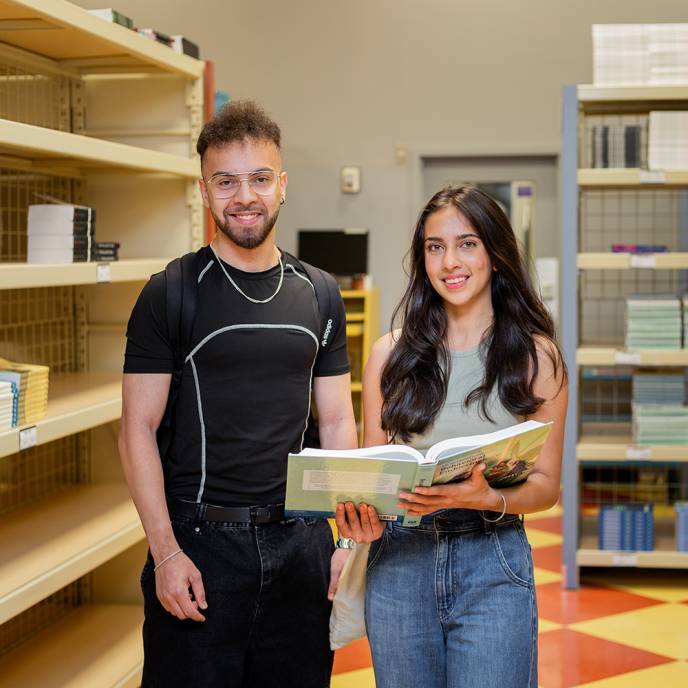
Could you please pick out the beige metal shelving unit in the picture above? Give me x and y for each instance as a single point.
(612, 272)
(90, 113)
(362, 328)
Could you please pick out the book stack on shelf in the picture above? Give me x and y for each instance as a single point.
(685, 320)
(653, 321)
(615, 146)
(31, 381)
(660, 424)
(659, 388)
(9, 399)
(113, 16)
(681, 509)
(63, 233)
(640, 54)
(668, 140)
(626, 527)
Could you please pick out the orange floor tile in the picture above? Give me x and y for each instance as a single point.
(624, 628)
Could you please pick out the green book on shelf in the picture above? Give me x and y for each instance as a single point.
(317, 479)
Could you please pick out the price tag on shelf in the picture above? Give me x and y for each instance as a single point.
(625, 560)
(646, 261)
(28, 438)
(102, 272)
(639, 453)
(652, 176)
(626, 358)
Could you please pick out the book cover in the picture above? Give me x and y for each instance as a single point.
(317, 479)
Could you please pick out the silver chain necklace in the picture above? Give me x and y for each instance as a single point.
(236, 286)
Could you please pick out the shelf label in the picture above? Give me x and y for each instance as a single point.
(102, 272)
(652, 176)
(28, 438)
(626, 358)
(625, 560)
(639, 453)
(646, 261)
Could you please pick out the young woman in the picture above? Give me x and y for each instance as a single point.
(451, 603)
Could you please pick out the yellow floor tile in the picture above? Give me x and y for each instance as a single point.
(662, 629)
(361, 678)
(544, 626)
(543, 576)
(541, 538)
(556, 510)
(673, 675)
(667, 586)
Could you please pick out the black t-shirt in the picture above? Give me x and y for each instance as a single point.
(245, 392)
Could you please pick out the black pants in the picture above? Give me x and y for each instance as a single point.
(267, 622)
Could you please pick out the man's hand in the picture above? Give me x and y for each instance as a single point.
(339, 557)
(172, 583)
(363, 525)
(472, 493)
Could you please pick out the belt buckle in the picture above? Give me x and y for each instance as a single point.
(260, 514)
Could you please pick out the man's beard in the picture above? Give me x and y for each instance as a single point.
(252, 238)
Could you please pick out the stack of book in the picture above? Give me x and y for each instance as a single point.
(105, 251)
(60, 233)
(155, 35)
(668, 140)
(31, 381)
(620, 54)
(626, 527)
(113, 16)
(653, 321)
(9, 401)
(615, 146)
(184, 46)
(681, 509)
(640, 54)
(667, 387)
(685, 321)
(660, 424)
(668, 56)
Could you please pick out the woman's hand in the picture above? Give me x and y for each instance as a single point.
(362, 525)
(472, 493)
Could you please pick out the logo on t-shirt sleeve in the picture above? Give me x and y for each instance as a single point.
(326, 335)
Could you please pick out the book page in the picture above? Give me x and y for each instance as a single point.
(351, 482)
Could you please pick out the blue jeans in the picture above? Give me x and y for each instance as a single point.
(267, 622)
(451, 604)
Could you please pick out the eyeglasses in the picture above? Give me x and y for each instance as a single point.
(228, 185)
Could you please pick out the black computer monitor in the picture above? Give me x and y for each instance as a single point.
(339, 251)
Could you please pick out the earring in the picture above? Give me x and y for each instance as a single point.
(282, 201)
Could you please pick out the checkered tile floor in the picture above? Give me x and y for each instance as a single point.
(623, 628)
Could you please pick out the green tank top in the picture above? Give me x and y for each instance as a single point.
(456, 419)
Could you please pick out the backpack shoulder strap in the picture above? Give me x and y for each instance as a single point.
(181, 286)
(326, 294)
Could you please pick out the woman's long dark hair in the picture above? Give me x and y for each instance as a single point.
(414, 379)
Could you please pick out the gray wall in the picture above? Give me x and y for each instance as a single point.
(348, 81)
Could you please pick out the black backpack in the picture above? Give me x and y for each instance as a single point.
(181, 289)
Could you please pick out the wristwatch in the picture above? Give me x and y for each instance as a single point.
(345, 543)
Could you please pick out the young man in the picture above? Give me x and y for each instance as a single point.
(235, 595)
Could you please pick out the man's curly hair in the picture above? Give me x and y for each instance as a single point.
(238, 121)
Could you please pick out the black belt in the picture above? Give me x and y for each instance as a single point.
(230, 514)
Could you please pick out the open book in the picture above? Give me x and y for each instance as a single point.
(319, 478)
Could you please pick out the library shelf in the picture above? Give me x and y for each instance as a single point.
(587, 93)
(76, 402)
(30, 275)
(74, 39)
(95, 645)
(611, 356)
(621, 177)
(621, 448)
(28, 147)
(627, 261)
(51, 543)
(664, 555)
